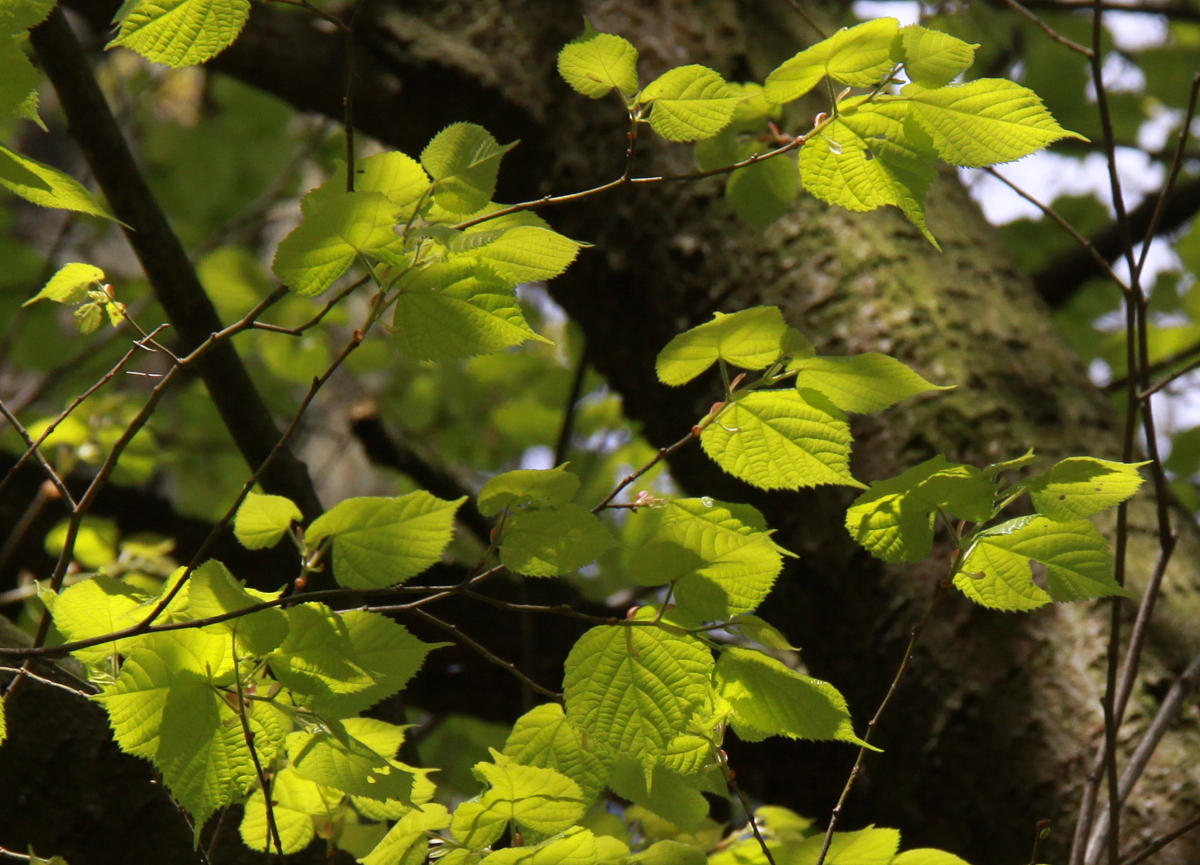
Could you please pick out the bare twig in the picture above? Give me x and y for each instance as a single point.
(1162, 842)
(1050, 31)
(731, 780)
(263, 782)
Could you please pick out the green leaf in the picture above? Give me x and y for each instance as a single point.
(317, 656)
(780, 439)
(668, 795)
(213, 591)
(996, 570)
(868, 846)
(750, 339)
(20, 15)
(96, 607)
(668, 852)
(633, 688)
(576, 846)
(330, 237)
(262, 520)
(594, 63)
(543, 737)
(334, 758)
(769, 699)
(459, 321)
(722, 566)
(538, 798)
(555, 540)
(381, 542)
(395, 174)
(893, 519)
(294, 802)
(408, 837)
(182, 32)
(762, 632)
(858, 56)
(19, 81)
(987, 121)
(862, 382)
(525, 487)
(932, 58)
(528, 253)
(463, 160)
(46, 186)
(689, 103)
(475, 825)
(927, 856)
(763, 192)
(1082, 486)
(386, 651)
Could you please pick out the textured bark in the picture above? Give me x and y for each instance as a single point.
(997, 720)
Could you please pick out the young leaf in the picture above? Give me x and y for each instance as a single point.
(409, 835)
(857, 56)
(182, 32)
(395, 174)
(317, 656)
(780, 439)
(893, 519)
(213, 591)
(927, 856)
(594, 63)
(862, 382)
(769, 699)
(262, 520)
(544, 737)
(932, 58)
(537, 798)
(382, 542)
(763, 192)
(528, 253)
(868, 846)
(454, 323)
(550, 541)
(17, 16)
(525, 487)
(750, 339)
(19, 80)
(633, 688)
(96, 607)
(463, 160)
(46, 186)
(334, 758)
(689, 103)
(762, 632)
(668, 794)
(668, 852)
(576, 846)
(1082, 486)
(294, 802)
(996, 570)
(988, 121)
(330, 237)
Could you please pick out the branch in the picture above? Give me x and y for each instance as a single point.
(1179, 11)
(164, 260)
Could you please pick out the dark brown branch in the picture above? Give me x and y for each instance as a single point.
(1177, 11)
(171, 274)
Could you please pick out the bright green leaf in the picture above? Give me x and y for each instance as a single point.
(46, 186)
(528, 253)
(769, 699)
(544, 737)
(334, 758)
(762, 632)
(555, 540)
(524, 487)
(409, 833)
(96, 607)
(858, 56)
(750, 339)
(868, 846)
(862, 382)
(933, 58)
(182, 32)
(1082, 486)
(594, 63)
(927, 856)
(213, 591)
(330, 237)
(295, 801)
(689, 103)
(987, 121)
(996, 570)
(633, 688)
(262, 520)
(384, 541)
(668, 852)
(780, 439)
(463, 160)
(538, 798)
(317, 656)
(668, 795)
(19, 80)
(458, 322)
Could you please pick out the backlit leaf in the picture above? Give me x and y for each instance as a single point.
(463, 160)
(408, 834)
(544, 737)
(334, 758)
(594, 63)
(295, 801)
(528, 253)
(538, 798)
(1082, 486)
(19, 80)
(262, 520)
(668, 795)
(523, 487)
(46, 186)
(933, 58)
(182, 32)
(690, 103)
(330, 237)
(749, 339)
(96, 607)
(862, 382)
(857, 56)
(553, 540)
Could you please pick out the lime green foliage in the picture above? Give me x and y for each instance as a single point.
(405, 843)
(762, 632)
(213, 591)
(857, 56)
(334, 758)
(382, 542)
(525, 487)
(19, 15)
(463, 160)
(46, 186)
(19, 80)
(538, 799)
(720, 566)
(70, 285)
(927, 856)
(295, 802)
(689, 103)
(182, 32)
(861, 383)
(545, 542)
(996, 569)
(397, 175)
(932, 58)
(543, 737)
(528, 253)
(461, 320)
(768, 699)
(262, 520)
(576, 846)
(632, 689)
(594, 63)
(782, 439)
(668, 794)
(669, 852)
(750, 339)
(1082, 486)
(894, 519)
(96, 607)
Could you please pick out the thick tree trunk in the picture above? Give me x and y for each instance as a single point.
(998, 718)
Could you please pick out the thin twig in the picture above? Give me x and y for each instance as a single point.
(731, 780)
(263, 783)
(1050, 31)
(662, 454)
(565, 431)
(1162, 842)
(41, 458)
